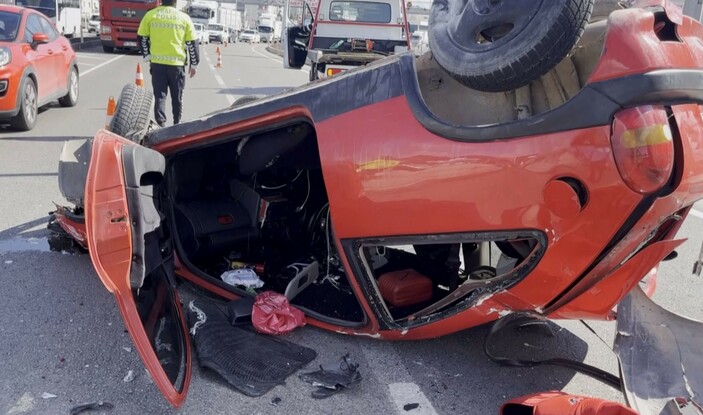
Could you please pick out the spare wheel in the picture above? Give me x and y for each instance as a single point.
(501, 45)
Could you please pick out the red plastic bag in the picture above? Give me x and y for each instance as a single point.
(272, 314)
(560, 403)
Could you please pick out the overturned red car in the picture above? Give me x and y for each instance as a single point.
(409, 198)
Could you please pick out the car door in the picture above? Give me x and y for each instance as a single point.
(294, 39)
(131, 251)
(40, 57)
(58, 48)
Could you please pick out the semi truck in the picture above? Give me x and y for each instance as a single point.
(203, 12)
(119, 21)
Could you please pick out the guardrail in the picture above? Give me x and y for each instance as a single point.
(88, 42)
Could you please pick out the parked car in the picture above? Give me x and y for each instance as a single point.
(201, 33)
(37, 66)
(250, 36)
(94, 24)
(383, 208)
(217, 33)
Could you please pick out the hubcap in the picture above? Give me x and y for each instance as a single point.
(30, 102)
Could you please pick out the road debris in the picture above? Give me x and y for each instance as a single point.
(276, 401)
(411, 406)
(9, 261)
(127, 349)
(129, 376)
(332, 377)
(93, 406)
(47, 395)
(273, 314)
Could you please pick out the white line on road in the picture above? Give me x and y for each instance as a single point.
(407, 394)
(697, 213)
(102, 64)
(277, 60)
(87, 64)
(91, 56)
(219, 80)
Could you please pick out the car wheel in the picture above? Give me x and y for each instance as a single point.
(132, 115)
(501, 45)
(108, 49)
(26, 119)
(71, 98)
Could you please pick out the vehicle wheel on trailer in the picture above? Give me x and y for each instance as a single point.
(133, 113)
(245, 99)
(501, 45)
(108, 49)
(26, 119)
(71, 97)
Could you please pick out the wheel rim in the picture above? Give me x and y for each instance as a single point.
(73, 87)
(482, 25)
(30, 102)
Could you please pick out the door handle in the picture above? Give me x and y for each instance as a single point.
(50, 52)
(64, 47)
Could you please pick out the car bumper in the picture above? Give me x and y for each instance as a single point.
(8, 97)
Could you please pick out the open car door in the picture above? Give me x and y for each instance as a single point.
(131, 251)
(296, 34)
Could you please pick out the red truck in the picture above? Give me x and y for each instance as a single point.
(119, 21)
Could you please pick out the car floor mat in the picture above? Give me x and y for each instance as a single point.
(252, 363)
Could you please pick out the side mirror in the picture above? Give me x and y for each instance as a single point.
(39, 38)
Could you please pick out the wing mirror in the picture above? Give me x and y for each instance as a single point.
(39, 38)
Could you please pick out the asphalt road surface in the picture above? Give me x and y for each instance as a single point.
(61, 333)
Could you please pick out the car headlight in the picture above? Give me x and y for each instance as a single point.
(105, 29)
(5, 56)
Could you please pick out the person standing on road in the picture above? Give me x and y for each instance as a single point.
(167, 40)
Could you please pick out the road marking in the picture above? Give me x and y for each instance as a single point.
(697, 213)
(102, 64)
(400, 390)
(219, 80)
(90, 56)
(277, 59)
(408, 394)
(86, 64)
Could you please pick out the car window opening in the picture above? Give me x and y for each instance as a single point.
(259, 202)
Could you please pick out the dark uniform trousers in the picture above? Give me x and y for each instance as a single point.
(168, 79)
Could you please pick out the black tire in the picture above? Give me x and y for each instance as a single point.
(501, 45)
(108, 49)
(132, 115)
(245, 99)
(26, 119)
(71, 98)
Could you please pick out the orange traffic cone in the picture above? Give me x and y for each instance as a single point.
(140, 77)
(219, 58)
(111, 105)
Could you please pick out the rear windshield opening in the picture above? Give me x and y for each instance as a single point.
(360, 11)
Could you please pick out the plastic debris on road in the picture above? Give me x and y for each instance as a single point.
(273, 314)
(93, 406)
(47, 395)
(332, 377)
(129, 376)
(560, 403)
(244, 277)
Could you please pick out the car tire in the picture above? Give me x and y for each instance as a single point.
(108, 49)
(132, 116)
(501, 45)
(26, 119)
(71, 98)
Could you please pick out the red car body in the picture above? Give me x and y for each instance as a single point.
(595, 188)
(47, 61)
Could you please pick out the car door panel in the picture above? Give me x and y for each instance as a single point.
(41, 60)
(129, 248)
(57, 48)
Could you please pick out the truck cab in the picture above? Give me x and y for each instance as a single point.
(340, 35)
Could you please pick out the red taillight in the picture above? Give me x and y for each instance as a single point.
(643, 147)
(334, 71)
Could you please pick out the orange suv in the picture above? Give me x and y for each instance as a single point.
(37, 66)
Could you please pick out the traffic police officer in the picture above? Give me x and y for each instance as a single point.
(167, 40)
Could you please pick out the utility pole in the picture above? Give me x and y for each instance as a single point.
(693, 9)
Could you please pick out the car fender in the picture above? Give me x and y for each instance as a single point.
(73, 64)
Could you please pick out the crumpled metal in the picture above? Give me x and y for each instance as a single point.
(273, 314)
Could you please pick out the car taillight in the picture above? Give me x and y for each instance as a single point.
(643, 147)
(333, 71)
